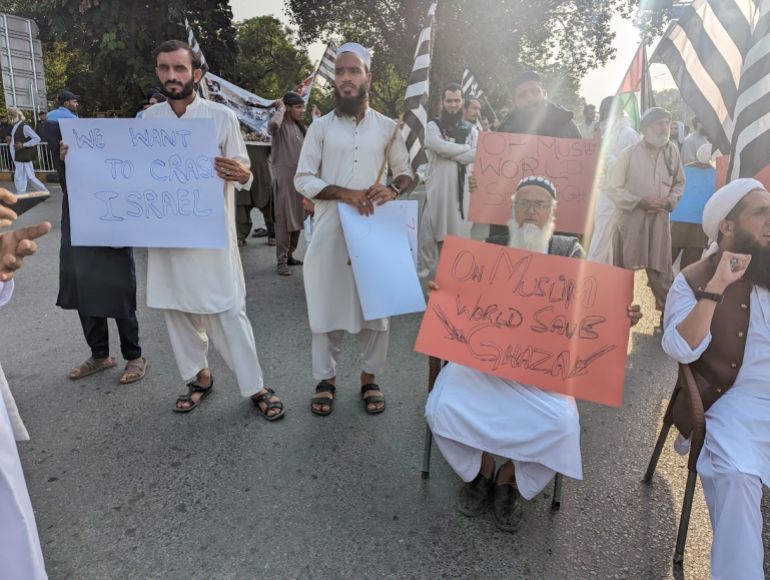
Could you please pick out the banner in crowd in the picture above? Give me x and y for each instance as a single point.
(560, 324)
(504, 159)
(144, 183)
(252, 111)
(723, 164)
(699, 186)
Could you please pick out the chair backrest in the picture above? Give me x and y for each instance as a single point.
(697, 415)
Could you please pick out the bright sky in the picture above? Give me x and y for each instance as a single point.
(595, 86)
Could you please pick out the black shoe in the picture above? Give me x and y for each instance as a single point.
(292, 261)
(259, 233)
(506, 508)
(475, 496)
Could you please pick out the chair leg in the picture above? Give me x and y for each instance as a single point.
(556, 501)
(684, 519)
(426, 453)
(656, 453)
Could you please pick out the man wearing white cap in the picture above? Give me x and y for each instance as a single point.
(645, 184)
(339, 163)
(717, 320)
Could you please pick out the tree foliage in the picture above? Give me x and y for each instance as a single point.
(111, 41)
(269, 61)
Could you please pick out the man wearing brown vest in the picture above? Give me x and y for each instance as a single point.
(717, 319)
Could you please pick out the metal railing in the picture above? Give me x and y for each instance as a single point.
(43, 163)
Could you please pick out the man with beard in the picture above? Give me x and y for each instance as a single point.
(617, 134)
(340, 163)
(532, 114)
(450, 143)
(288, 134)
(693, 142)
(587, 125)
(472, 113)
(645, 185)
(718, 321)
(474, 415)
(201, 291)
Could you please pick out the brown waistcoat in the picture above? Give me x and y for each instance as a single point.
(717, 368)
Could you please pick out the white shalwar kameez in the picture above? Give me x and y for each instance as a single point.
(24, 171)
(620, 136)
(470, 412)
(20, 555)
(338, 151)
(202, 291)
(441, 215)
(735, 460)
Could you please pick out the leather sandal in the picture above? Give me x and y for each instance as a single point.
(372, 398)
(269, 405)
(323, 387)
(91, 366)
(475, 496)
(193, 388)
(136, 367)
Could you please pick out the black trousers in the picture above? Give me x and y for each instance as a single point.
(97, 336)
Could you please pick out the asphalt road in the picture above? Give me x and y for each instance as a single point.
(124, 488)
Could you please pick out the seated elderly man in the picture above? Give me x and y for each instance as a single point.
(474, 415)
(718, 320)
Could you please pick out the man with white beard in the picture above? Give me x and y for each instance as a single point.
(474, 415)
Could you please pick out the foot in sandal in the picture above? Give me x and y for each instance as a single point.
(134, 371)
(196, 390)
(91, 366)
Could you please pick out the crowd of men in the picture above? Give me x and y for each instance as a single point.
(716, 310)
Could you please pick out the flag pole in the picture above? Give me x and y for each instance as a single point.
(388, 149)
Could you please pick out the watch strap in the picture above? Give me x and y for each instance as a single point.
(701, 294)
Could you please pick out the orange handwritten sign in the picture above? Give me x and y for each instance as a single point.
(723, 164)
(560, 324)
(504, 159)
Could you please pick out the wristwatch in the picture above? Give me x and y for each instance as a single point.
(703, 295)
(392, 185)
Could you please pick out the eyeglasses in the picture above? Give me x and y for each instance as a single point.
(526, 204)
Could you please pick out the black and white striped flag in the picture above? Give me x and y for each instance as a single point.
(416, 101)
(705, 50)
(470, 87)
(749, 153)
(326, 66)
(195, 46)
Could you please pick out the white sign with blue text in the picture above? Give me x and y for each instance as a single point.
(144, 183)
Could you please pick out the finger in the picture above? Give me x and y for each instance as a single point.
(33, 232)
(26, 248)
(6, 196)
(9, 263)
(7, 214)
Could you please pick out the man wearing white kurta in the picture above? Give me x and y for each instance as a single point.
(474, 415)
(617, 134)
(202, 291)
(339, 163)
(22, 147)
(735, 460)
(450, 144)
(20, 554)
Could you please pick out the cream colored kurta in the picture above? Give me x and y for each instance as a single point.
(202, 281)
(641, 171)
(442, 205)
(338, 151)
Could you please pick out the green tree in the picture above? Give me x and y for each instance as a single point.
(269, 63)
(671, 100)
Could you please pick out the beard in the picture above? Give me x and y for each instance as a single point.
(186, 90)
(451, 119)
(759, 267)
(529, 236)
(351, 105)
(658, 141)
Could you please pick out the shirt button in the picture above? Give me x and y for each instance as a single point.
(740, 334)
(744, 306)
(733, 365)
(719, 390)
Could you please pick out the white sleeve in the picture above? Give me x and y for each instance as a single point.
(679, 304)
(34, 138)
(6, 290)
(307, 180)
(440, 146)
(235, 148)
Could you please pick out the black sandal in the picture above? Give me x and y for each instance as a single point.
(372, 398)
(323, 387)
(193, 388)
(265, 398)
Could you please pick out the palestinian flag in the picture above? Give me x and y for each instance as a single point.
(635, 94)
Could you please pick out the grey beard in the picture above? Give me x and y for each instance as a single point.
(530, 237)
(659, 142)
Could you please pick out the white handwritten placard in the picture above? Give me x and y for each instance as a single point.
(144, 183)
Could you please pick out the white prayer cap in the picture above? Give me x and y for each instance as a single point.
(703, 154)
(359, 51)
(723, 202)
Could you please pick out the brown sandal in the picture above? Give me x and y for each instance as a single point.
(91, 366)
(136, 367)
